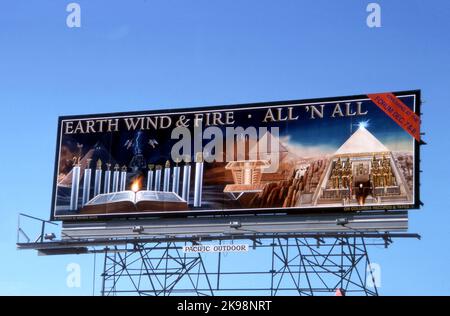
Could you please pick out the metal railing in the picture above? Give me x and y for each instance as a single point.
(41, 237)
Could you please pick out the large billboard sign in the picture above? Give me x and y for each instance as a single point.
(304, 156)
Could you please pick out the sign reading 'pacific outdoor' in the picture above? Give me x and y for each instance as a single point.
(335, 154)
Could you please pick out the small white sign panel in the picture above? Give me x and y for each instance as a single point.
(215, 248)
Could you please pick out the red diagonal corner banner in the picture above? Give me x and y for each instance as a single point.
(399, 112)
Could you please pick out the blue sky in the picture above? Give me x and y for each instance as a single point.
(146, 55)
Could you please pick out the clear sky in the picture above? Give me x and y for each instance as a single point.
(142, 55)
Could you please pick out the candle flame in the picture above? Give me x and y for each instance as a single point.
(136, 185)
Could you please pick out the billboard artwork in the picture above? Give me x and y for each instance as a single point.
(304, 156)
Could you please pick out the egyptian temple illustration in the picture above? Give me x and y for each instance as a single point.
(362, 171)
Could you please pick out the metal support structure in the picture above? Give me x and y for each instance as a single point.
(277, 266)
(301, 264)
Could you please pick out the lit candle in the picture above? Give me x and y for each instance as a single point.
(123, 178)
(158, 178)
(186, 179)
(75, 184)
(166, 183)
(198, 184)
(176, 177)
(150, 177)
(107, 187)
(115, 187)
(98, 178)
(87, 183)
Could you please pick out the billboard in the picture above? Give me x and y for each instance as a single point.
(338, 154)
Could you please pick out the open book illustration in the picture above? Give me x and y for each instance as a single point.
(129, 201)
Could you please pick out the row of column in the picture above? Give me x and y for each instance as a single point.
(154, 176)
(119, 180)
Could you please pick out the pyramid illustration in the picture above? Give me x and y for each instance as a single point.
(362, 141)
(269, 144)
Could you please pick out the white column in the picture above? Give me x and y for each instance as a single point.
(87, 183)
(75, 185)
(186, 180)
(158, 178)
(107, 187)
(123, 179)
(98, 178)
(198, 184)
(115, 187)
(176, 178)
(150, 177)
(166, 183)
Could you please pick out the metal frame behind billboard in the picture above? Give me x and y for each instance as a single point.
(311, 156)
